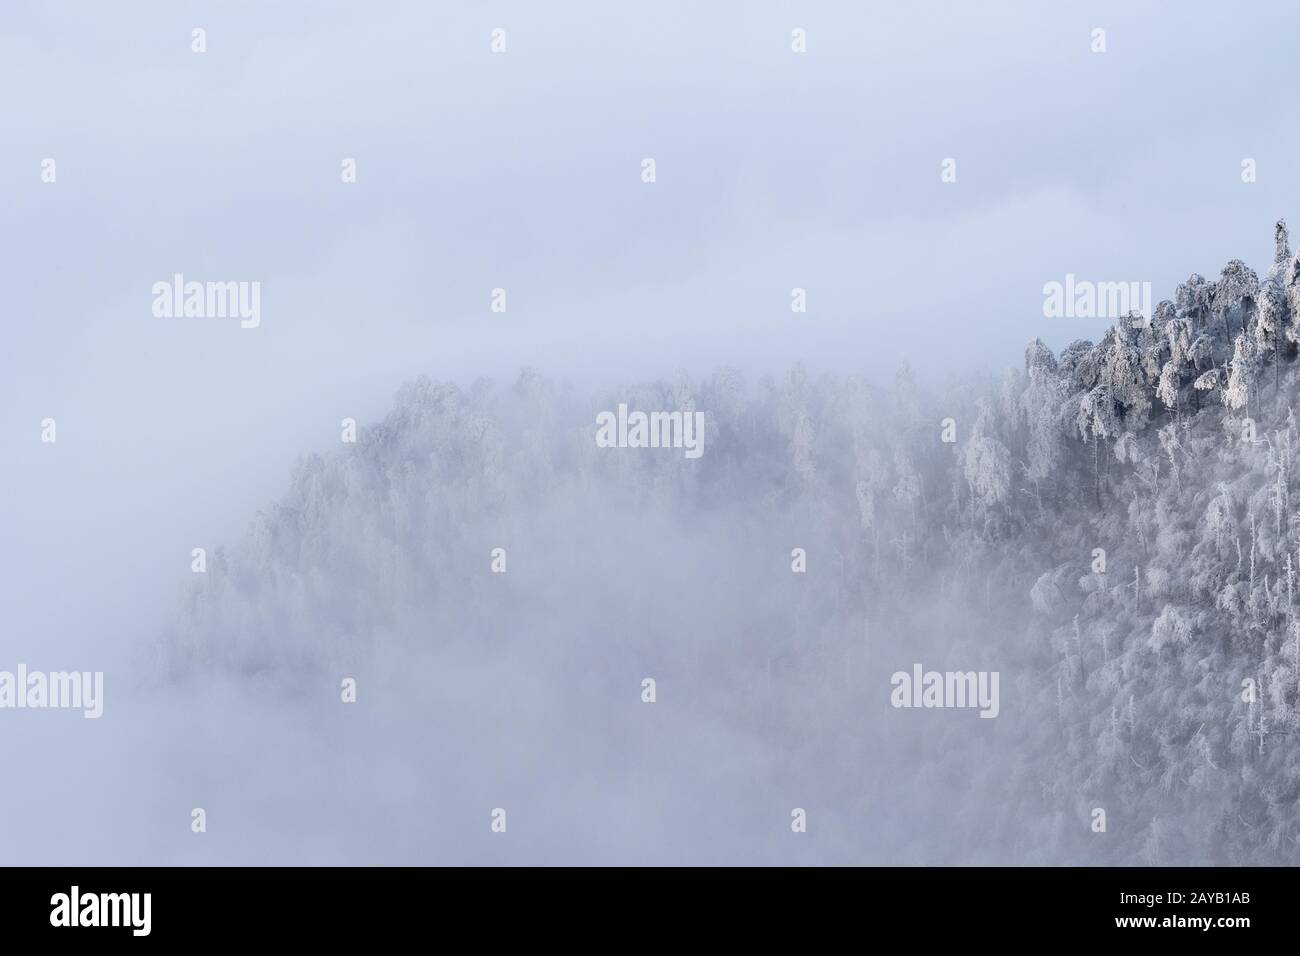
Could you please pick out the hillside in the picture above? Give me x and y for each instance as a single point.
(1168, 445)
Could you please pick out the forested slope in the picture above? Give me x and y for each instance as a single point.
(1112, 529)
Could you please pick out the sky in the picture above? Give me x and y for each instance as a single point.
(522, 171)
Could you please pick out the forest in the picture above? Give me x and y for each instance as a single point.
(1110, 529)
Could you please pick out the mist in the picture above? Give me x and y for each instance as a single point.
(523, 171)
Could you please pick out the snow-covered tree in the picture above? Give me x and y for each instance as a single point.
(1241, 374)
(1236, 291)
(1125, 631)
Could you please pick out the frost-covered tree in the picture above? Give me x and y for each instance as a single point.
(1123, 374)
(1236, 291)
(1167, 388)
(1098, 418)
(1241, 373)
(1194, 299)
(1040, 402)
(1273, 318)
(1125, 673)
(987, 467)
(1080, 365)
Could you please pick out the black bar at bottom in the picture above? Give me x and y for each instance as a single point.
(338, 905)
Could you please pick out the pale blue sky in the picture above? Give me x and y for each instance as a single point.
(477, 170)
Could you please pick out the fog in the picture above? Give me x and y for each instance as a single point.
(522, 171)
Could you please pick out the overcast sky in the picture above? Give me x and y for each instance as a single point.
(522, 171)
